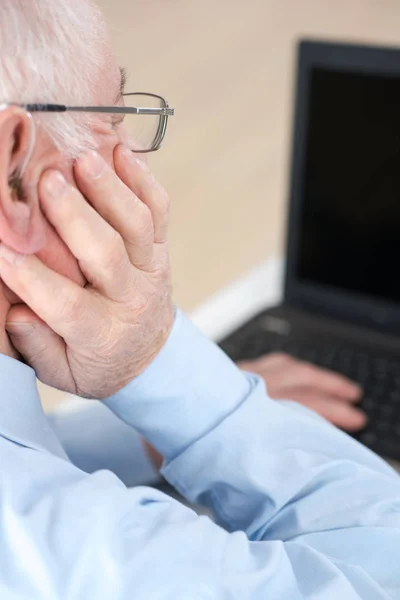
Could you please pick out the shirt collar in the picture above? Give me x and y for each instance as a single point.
(22, 419)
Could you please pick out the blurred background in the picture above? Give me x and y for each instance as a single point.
(227, 67)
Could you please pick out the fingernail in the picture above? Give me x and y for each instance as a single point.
(93, 164)
(133, 158)
(20, 327)
(142, 163)
(56, 185)
(10, 256)
(127, 153)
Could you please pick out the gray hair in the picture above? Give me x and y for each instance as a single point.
(52, 51)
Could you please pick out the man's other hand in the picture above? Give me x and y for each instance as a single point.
(93, 341)
(331, 395)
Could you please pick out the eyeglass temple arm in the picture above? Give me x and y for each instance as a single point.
(165, 111)
(45, 107)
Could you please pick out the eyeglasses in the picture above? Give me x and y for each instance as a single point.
(145, 117)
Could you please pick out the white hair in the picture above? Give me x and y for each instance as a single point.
(52, 51)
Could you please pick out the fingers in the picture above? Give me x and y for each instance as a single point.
(339, 413)
(288, 379)
(99, 249)
(41, 347)
(270, 361)
(286, 373)
(327, 382)
(327, 393)
(118, 205)
(115, 223)
(58, 301)
(136, 174)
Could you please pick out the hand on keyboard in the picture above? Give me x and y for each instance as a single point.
(331, 395)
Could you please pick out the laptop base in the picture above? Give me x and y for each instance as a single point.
(366, 357)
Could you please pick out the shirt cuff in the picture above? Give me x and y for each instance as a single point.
(189, 388)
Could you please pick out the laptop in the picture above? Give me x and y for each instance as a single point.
(341, 306)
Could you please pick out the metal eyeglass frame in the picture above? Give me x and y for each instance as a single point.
(164, 112)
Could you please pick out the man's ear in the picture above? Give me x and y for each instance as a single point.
(21, 227)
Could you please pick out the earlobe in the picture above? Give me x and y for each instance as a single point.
(19, 228)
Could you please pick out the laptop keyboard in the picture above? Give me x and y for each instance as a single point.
(379, 377)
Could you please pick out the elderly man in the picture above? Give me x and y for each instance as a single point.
(302, 510)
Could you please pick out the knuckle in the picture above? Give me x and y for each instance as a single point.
(307, 372)
(110, 255)
(281, 357)
(142, 224)
(162, 260)
(164, 199)
(114, 251)
(146, 218)
(71, 307)
(115, 242)
(308, 368)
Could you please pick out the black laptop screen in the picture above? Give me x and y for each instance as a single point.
(350, 218)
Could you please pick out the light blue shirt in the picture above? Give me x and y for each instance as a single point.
(302, 511)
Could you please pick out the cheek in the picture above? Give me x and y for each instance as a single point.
(57, 256)
(108, 140)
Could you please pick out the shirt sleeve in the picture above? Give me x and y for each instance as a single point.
(303, 511)
(275, 471)
(95, 439)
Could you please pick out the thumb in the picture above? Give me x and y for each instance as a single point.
(40, 346)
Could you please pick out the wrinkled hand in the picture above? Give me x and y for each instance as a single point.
(92, 341)
(329, 394)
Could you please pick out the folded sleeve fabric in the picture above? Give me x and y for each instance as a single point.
(302, 510)
(95, 439)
